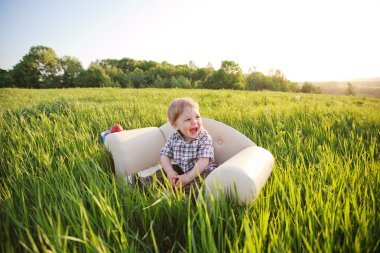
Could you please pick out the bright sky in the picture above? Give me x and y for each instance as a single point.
(308, 40)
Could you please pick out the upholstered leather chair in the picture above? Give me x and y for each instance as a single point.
(243, 166)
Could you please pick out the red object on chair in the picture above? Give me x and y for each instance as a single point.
(116, 128)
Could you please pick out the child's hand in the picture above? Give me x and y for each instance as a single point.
(172, 177)
(183, 180)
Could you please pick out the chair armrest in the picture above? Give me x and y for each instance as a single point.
(243, 175)
(135, 150)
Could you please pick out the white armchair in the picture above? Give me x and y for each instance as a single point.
(244, 167)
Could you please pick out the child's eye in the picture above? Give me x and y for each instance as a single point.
(198, 117)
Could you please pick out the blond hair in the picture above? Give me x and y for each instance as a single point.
(177, 106)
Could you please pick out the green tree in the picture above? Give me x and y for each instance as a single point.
(146, 65)
(161, 83)
(180, 82)
(293, 86)
(257, 81)
(183, 70)
(37, 69)
(117, 76)
(350, 89)
(71, 68)
(5, 78)
(94, 76)
(200, 75)
(136, 79)
(308, 87)
(165, 71)
(120, 78)
(229, 76)
(215, 81)
(279, 81)
(127, 65)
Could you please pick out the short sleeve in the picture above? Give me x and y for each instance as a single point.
(167, 149)
(205, 147)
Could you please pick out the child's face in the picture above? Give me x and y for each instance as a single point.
(189, 123)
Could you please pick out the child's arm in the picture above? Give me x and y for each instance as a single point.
(198, 169)
(167, 167)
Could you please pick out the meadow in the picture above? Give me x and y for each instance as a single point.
(58, 192)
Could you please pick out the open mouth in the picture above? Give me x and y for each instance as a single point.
(193, 130)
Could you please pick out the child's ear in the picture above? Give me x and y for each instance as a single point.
(174, 125)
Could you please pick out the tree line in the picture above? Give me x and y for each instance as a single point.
(42, 68)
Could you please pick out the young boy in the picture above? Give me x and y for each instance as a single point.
(188, 153)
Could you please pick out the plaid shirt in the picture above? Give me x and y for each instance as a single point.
(186, 154)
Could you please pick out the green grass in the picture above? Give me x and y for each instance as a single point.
(58, 193)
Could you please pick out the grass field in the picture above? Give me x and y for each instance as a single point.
(58, 193)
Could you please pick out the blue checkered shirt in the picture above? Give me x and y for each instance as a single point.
(186, 154)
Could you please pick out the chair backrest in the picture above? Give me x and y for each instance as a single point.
(226, 140)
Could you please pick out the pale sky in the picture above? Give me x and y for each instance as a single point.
(308, 40)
